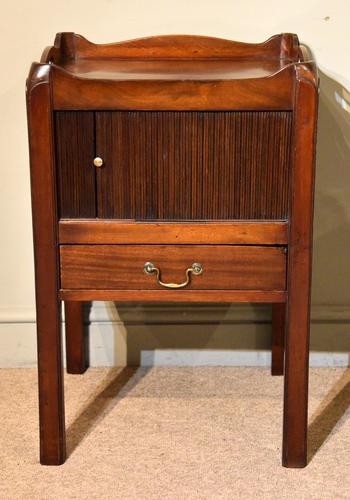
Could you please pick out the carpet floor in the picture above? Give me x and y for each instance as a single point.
(175, 433)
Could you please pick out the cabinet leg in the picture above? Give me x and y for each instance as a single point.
(48, 307)
(299, 272)
(51, 397)
(76, 341)
(278, 334)
(296, 385)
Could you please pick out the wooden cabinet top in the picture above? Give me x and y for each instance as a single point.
(174, 72)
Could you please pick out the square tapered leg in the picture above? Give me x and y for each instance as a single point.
(278, 335)
(51, 394)
(76, 340)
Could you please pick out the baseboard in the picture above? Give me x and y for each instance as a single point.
(180, 313)
(153, 334)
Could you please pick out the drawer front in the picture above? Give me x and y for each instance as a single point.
(121, 267)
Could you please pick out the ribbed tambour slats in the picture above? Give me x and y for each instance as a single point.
(74, 139)
(182, 165)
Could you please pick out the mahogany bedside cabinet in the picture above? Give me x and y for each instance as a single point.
(172, 169)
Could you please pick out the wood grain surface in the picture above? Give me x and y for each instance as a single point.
(121, 266)
(219, 233)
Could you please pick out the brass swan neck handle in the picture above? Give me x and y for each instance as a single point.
(196, 269)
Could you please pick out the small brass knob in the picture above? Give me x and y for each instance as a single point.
(98, 162)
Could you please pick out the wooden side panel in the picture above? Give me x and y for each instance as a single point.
(121, 267)
(193, 165)
(74, 138)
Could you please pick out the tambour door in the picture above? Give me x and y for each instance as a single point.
(160, 165)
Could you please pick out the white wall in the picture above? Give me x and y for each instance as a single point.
(27, 27)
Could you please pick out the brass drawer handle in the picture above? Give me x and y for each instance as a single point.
(196, 269)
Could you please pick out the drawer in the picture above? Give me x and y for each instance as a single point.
(121, 267)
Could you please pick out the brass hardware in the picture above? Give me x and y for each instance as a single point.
(195, 269)
(98, 162)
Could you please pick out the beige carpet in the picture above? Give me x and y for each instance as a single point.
(175, 433)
